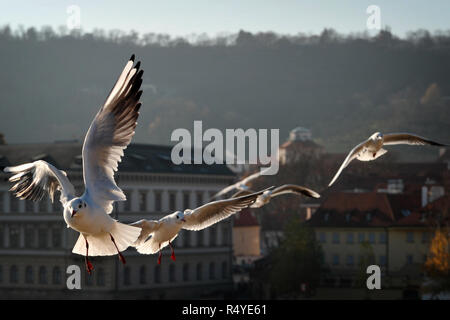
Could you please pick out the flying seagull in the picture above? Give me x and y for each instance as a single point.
(109, 134)
(372, 148)
(156, 234)
(240, 185)
(264, 198)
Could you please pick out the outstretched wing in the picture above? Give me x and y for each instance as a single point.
(33, 180)
(241, 193)
(109, 134)
(213, 212)
(237, 185)
(352, 155)
(147, 228)
(293, 188)
(408, 138)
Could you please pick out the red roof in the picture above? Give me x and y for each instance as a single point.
(245, 218)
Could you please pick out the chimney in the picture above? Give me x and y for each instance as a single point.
(424, 196)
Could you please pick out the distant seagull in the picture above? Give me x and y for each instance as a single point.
(240, 185)
(163, 231)
(109, 134)
(284, 189)
(372, 148)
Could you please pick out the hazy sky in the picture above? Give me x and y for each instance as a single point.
(183, 17)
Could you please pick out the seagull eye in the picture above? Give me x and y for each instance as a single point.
(79, 206)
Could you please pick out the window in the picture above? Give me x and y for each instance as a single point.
(14, 234)
(335, 260)
(322, 237)
(382, 260)
(212, 236)
(186, 200)
(142, 200)
(2, 202)
(127, 203)
(187, 238)
(199, 198)
(383, 237)
(350, 238)
(361, 237)
(172, 201)
(336, 238)
(199, 271)
(101, 277)
(142, 275)
(409, 259)
(425, 237)
(30, 237)
(126, 276)
(371, 238)
(157, 274)
(29, 206)
(13, 203)
(29, 275)
(158, 201)
(56, 237)
(368, 217)
(410, 237)
(200, 238)
(43, 205)
(13, 274)
(172, 277)
(350, 260)
(225, 234)
(56, 275)
(42, 238)
(224, 270)
(212, 271)
(185, 272)
(2, 235)
(89, 280)
(1, 274)
(42, 275)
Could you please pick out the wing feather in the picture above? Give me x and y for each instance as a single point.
(408, 138)
(108, 136)
(350, 157)
(293, 188)
(31, 181)
(213, 212)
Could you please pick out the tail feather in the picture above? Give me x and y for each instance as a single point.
(150, 246)
(101, 244)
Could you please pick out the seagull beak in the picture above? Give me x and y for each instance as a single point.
(183, 219)
(73, 213)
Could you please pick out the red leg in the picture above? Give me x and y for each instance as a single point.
(173, 252)
(89, 266)
(160, 254)
(121, 258)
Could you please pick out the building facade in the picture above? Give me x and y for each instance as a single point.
(36, 245)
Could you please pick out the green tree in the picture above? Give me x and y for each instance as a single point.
(297, 260)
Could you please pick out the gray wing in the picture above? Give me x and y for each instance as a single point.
(109, 134)
(241, 193)
(408, 138)
(352, 155)
(237, 185)
(33, 180)
(293, 188)
(147, 228)
(213, 212)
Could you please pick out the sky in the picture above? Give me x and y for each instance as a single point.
(185, 17)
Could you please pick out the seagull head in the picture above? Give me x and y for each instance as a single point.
(179, 216)
(377, 136)
(77, 206)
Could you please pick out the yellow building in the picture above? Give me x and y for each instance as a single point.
(246, 237)
(360, 229)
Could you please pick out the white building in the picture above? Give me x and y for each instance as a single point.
(35, 245)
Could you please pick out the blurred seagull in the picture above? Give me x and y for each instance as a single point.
(240, 185)
(109, 134)
(163, 231)
(372, 148)
(264, 198)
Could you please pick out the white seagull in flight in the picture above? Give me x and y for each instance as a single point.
(264, 198)
(163, 231)
(241, 184)
(109, 134)
(372, 148)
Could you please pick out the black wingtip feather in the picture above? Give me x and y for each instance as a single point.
(138, 65)
(132, 57)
